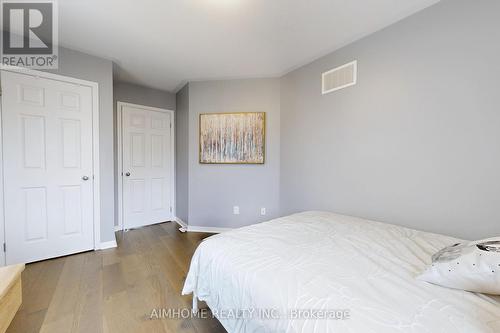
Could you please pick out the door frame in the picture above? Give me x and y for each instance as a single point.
(94, 86)
(3, 257)
(119, 172)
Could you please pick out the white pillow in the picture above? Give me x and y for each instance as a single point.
(473, 266)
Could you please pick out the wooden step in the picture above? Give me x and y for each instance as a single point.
(10, 294)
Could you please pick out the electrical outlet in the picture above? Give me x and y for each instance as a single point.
(236, 210)
(263, 211)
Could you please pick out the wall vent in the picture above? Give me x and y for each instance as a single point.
(339, 78)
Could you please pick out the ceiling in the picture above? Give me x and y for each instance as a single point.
(165, 43)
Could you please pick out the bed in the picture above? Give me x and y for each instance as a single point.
(324, 272)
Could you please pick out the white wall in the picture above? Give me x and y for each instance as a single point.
(136, 94)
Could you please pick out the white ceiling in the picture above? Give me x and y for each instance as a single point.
(165, 43)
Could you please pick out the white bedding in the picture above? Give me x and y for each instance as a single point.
(324, 261)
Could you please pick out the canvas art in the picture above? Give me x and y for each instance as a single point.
(232, 138)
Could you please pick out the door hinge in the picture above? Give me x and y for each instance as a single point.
(5, 247)
(170, 125)
(170, 209)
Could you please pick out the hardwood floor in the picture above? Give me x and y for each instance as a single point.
(113, 290)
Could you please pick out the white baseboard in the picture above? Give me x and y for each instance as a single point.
(192, 228)
(183, 225)
(213, 230)
(108, 245)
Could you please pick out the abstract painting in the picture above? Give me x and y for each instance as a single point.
(232, 138)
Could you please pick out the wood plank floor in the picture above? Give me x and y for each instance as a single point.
(114, 290)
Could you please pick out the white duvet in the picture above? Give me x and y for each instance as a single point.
(321, 262)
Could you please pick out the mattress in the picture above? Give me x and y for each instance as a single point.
(324, 272)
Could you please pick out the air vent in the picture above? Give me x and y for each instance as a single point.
(340, 77)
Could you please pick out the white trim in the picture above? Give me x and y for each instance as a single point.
(3, 261)
(47, 75)
(95, 138)
(183, 225)
(118, 228)
(119, 113)
(173, 167)
(355, 74)
(108, 245)
(213, 230)
(119, 173)
(96, 164)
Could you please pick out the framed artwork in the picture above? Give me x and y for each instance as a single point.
(232, 138)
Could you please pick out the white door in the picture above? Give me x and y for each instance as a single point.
(47, 159)
(147, 166)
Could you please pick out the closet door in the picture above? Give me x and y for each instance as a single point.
(47, 159)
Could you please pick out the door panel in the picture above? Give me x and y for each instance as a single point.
(35, 213)
(69, 100)
(137, 149)
(147, 157)
(71, 143)
(157, 150)
(72, 209)
(157, 199)
(33, 144)
(30, 95)
(47, 141)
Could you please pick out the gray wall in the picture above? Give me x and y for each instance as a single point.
(132, 93)
(86, 67)
(416, 142)
(182, 154)
(136, 94)
(215, 189)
